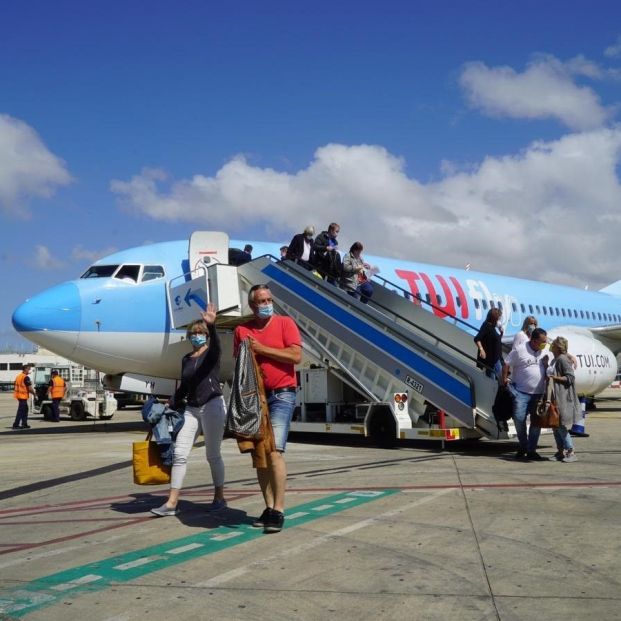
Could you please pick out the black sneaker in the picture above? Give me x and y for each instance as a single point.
(534, 456)
(275, 522)
(520, 455)
(16, 427)
(25, 426)
(263, 519)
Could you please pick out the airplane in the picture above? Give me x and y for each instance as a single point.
(116, 316)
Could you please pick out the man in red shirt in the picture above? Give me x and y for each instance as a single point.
(277, 345)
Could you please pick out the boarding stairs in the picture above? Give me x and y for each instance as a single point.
(390, 345)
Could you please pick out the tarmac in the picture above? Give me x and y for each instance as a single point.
(417, 532)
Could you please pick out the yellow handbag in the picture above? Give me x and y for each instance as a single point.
(147, 462)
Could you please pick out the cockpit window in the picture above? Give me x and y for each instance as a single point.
(152, 272)
(100, 271)
(128, 273)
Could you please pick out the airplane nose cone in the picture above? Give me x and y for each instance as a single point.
(56, 309)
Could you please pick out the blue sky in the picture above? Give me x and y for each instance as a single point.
(448, 132)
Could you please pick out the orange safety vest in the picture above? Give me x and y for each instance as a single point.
(58, 387)
(21, 390)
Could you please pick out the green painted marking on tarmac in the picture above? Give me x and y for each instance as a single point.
(100, 575)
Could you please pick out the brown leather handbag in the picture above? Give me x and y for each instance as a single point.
(547, 415)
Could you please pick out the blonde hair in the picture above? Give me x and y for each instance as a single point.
(197, 326)
(560, 342)
(530, 319)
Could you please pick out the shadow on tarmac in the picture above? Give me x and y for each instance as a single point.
(190, 513)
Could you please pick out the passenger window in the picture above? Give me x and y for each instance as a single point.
(427, 298)
(575, 313)
(476, 303)
(514, 307)
(557, 313)
(588, 316)
(128, 273)
(522, 308)
(545, 310)
(438, 299)
(599, 316)
(500, 305)
(458, 301)
(538, 309)
(484, 302)
(581, 315)
(530, 308)
(152, 272)
(563, 311)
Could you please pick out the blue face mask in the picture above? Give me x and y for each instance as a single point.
(265, 311)
(198, 340)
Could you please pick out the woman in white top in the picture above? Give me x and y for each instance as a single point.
(523, 336)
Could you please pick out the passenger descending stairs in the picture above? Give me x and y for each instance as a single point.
(389, 345)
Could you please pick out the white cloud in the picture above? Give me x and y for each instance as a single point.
(79, 253)
(340, 176)
(550, 212)
(545, 90)
(44, 260)
(27, 168)
(614, 50)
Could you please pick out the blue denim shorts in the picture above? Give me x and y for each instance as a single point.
(281, 406)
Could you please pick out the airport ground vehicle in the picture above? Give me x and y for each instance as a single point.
(85, 398)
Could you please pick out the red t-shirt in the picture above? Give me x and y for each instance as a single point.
(280, 332)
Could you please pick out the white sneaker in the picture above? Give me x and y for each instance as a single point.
(164, 511)
(571, 456)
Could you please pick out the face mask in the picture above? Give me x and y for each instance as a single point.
(198, 340)
(530, 327)
(265, 311)
(542, 345)
(309, 237)
(499, 323)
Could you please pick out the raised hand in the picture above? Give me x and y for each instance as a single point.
(209, 316)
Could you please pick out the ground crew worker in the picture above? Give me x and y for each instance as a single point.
(23, 388)
(57, 389)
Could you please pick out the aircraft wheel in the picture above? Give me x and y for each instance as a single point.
(383, 430)
(46, 412)
(77, 411)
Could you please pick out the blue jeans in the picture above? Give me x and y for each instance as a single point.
(281, 406)
(563, 439)
(523, 405)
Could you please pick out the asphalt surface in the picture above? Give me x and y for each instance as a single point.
(411, 533)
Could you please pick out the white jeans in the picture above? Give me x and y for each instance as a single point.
(210, 418)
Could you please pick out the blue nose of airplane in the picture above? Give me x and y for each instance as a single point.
(56, 309)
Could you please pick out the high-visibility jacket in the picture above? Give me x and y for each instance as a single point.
(21, 390)
(57, 390)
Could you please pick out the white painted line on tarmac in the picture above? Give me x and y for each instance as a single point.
(322, 507)
(77, 582)
(226, 536)
(136, 563)
(299, 514)
(342, 501)
(182, 549)
(243, 569)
